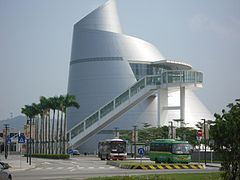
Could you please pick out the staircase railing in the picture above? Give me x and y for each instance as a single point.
(165, 79)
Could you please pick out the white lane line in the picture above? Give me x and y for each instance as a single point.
(45, 163)
(70, 167)
(39, 168)
(49, 168)
(80, 167)
(90, 167)
(111, 167)
(72, 170)
(101, 167)
(60, 168)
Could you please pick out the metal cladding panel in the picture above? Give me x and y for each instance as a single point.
(96, 83)
(94, 43)
(103, 18)
(99, 67)
(195, 110)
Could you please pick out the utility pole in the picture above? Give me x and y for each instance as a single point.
(6, 146)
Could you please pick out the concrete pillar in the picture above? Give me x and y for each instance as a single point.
(162, 95)
(158, 107)
(182, 104)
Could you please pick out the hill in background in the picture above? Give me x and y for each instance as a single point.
(16, 122)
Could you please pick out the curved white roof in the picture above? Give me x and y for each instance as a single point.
(104, 18)
(99, 35)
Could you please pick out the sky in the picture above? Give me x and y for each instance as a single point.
(36, 37)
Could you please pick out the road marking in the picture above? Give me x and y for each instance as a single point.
(72, 170)
(70, 167)
(60, 168)
(80, 167)
(45, 163)
(74, 162)
(101, 167)
(49, 168)
(111, 167)
(90, 167)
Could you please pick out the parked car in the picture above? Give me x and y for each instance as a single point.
(4, 173)
(73, 152)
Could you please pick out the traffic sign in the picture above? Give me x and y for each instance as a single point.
(8, 140)
(199, 133)
(141, 151)
(21, 138)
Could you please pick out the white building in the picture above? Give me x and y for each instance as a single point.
(121, 81)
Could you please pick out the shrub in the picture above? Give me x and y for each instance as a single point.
(51, 156)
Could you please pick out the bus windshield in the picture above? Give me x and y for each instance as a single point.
(181, 148)
(118, 146)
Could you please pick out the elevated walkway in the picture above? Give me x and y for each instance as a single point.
(142, 89)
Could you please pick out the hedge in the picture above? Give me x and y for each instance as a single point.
(51, 156)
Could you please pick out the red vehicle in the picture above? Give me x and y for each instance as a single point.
(115, 149)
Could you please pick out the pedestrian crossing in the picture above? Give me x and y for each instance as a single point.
(74, 168)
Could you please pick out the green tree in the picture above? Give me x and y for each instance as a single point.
(226, 135)
(188, 134)
(45, 110)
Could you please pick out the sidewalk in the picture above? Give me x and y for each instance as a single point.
(17, 163)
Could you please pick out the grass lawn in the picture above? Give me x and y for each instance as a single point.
(191, 176)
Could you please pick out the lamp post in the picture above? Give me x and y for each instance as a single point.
(135, 140)
(205, 136)
(205, 141)
(6, 146)
(116, 134)
(30, 152)
(179, 120)
(171, 129)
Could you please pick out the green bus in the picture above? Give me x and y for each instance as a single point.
(170, 151)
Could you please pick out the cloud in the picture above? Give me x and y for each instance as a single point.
(225, 28)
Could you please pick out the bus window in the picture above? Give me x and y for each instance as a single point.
(181, 148)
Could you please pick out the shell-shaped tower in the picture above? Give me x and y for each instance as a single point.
(105, 63)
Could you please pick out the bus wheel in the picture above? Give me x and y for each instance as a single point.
(107, 158)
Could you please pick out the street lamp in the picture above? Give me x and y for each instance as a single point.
(205, 143)
(6, 139)
(135, 140)
(116, 133)
(179, 120)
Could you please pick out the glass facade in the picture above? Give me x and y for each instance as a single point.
(141, 70)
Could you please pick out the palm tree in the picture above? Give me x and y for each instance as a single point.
(30, 112)
(36, 112)
(58, 105)
(54, 105)
(61, 107)
(69, 101)
(45, 110)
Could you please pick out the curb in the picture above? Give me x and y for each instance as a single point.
(156, 166)
(215, 166)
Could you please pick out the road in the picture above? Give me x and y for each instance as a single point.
(85, 167)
